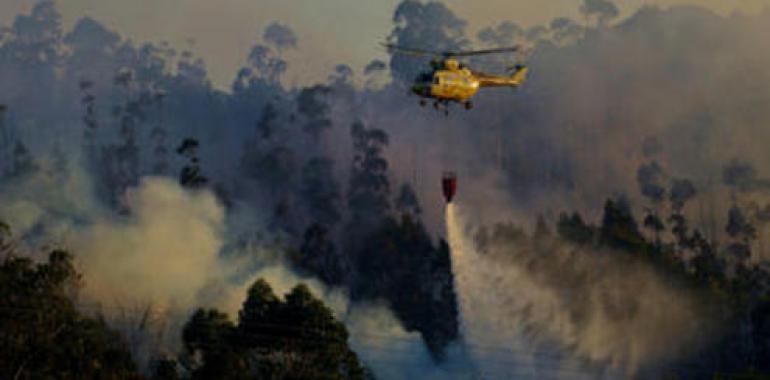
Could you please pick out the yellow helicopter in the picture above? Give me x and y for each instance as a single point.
(451, 81)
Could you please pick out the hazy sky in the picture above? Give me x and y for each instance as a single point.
(329, 31)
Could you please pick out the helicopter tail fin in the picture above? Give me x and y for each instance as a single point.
(519, 74)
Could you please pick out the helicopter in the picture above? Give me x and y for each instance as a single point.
(449, 80)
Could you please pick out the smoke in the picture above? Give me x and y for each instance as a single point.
(568, 310)
(148, 270)
(576, 133)
(165, 250)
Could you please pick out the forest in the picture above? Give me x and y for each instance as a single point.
(155, 226)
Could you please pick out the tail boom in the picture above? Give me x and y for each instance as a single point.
(515, 80)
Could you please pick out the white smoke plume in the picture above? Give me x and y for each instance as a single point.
(567, 312)
(148, 270)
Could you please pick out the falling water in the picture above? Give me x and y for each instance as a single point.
(493, 319)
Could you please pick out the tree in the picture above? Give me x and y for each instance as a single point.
(320, 192)
(165, 369)
(739, 175)
(292, 338)
(90, 122)
(319, 256)
(5, 141)
(619, 229)
(653, 222)
(256, 313)
(159, 135)
(503, 34)
(313, 105)
(374, 73)
(603, 10)
(369, 189)
(92, 50)
(542, 231)
(280, 36)
(393, 263)
(41, 331)
(564, 30)
(742, 231)
(573, 229)
(429, 25)
(37, 36)
(268, 65)
(651, 178)
(191, 175)
(267, 156)
(682, 190)
(210, 336)
(407, 203)
(23, 163)
(312, 342)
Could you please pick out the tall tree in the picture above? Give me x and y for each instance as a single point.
(313, 105)
(210, 335)
(191, 175)
(619, 229)
(23, 163)
(5, 141)
(320, 192)
(159, 136)
(369, 189)
(423, 25)
(292, 338)
(602, 10)
(742, 231)
(407, 203)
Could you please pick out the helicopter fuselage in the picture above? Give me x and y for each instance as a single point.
(460, 84)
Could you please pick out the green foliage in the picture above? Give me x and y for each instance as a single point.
(294, 338)
(209, 334)
(42, 333)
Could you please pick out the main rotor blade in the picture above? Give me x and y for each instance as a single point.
(411, 51)
(447, 54)
(511, 49)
